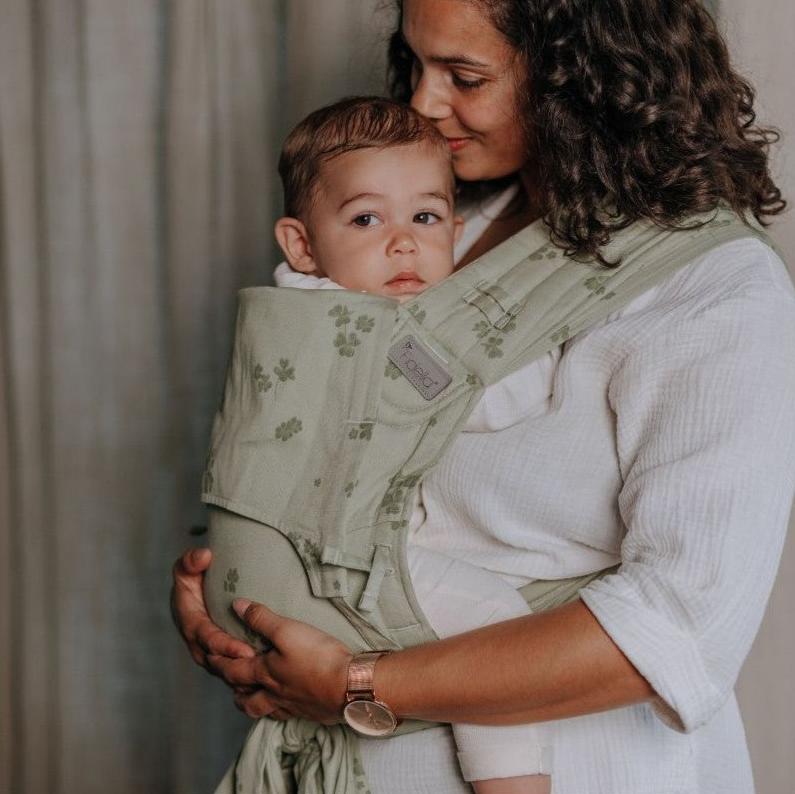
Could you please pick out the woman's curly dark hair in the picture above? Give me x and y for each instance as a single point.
(636, 112)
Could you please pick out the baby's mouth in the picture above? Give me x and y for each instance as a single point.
(406, 281)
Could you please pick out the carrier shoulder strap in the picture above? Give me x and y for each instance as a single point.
(526, 296)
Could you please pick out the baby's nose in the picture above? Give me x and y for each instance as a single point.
(403, 243)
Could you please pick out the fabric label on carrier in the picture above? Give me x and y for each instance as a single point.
(420, 366)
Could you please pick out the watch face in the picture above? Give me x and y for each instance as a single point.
(370, 718)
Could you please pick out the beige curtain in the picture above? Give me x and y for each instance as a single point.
(760, 37)
(137, 194)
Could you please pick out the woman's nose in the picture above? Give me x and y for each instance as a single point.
(430, 99)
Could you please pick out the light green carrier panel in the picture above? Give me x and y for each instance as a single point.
(336, 405)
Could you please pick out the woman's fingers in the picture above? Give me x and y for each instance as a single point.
(305, 671)
(215, 641)
(189, 611)
(196, 561)
(259, 704)
(259, 618)
(240, 673)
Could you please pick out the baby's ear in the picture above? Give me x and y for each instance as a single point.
(458, 228)
(293, 239)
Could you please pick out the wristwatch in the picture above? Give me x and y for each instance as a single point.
(363, 711)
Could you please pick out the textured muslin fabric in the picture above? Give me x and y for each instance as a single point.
(668, 446)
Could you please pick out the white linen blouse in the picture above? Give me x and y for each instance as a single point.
(667, 444)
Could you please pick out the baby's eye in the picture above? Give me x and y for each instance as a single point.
(428, 218)
(366, 219)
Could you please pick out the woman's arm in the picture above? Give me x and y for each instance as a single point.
(535, 668)
(546, 666)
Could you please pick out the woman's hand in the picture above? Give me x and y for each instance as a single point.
(201, 635)
(303, 674)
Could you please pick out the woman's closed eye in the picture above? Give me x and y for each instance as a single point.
(467, 84)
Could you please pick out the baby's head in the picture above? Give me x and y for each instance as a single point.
(369, 198)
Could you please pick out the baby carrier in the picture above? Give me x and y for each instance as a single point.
(335, 407)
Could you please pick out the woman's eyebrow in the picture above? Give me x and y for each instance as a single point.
(459, 60)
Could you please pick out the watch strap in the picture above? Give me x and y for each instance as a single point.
(361, 670)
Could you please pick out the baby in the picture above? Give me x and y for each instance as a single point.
(369, 200)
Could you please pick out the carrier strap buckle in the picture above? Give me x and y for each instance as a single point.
(494, 304)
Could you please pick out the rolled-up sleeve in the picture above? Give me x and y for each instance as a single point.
(704, 407)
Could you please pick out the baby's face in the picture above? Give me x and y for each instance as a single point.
(383, 220)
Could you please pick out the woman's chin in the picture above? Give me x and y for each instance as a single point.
(473, 171)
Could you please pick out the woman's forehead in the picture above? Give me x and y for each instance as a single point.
(453, 30)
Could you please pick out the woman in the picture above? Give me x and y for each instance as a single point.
(668, 444)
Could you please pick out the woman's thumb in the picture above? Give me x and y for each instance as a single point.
(258, 616)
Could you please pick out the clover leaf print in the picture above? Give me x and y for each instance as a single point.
(308, 550)
(492, 347)
(359, 777)
(392, 371)
(547, 251)
(232, 578)
(481, 329)
(286, 430)
(342, 315)
(595, 284)
(284, 371)
(418, 314)
(365, 323)
(262, 380)
(396, 493)
(346, 344)
(362, 432)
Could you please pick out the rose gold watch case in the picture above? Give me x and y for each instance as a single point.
(370, 717)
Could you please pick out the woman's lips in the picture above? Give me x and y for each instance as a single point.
(456, 144)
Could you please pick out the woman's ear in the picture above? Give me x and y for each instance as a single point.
(293, 239)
